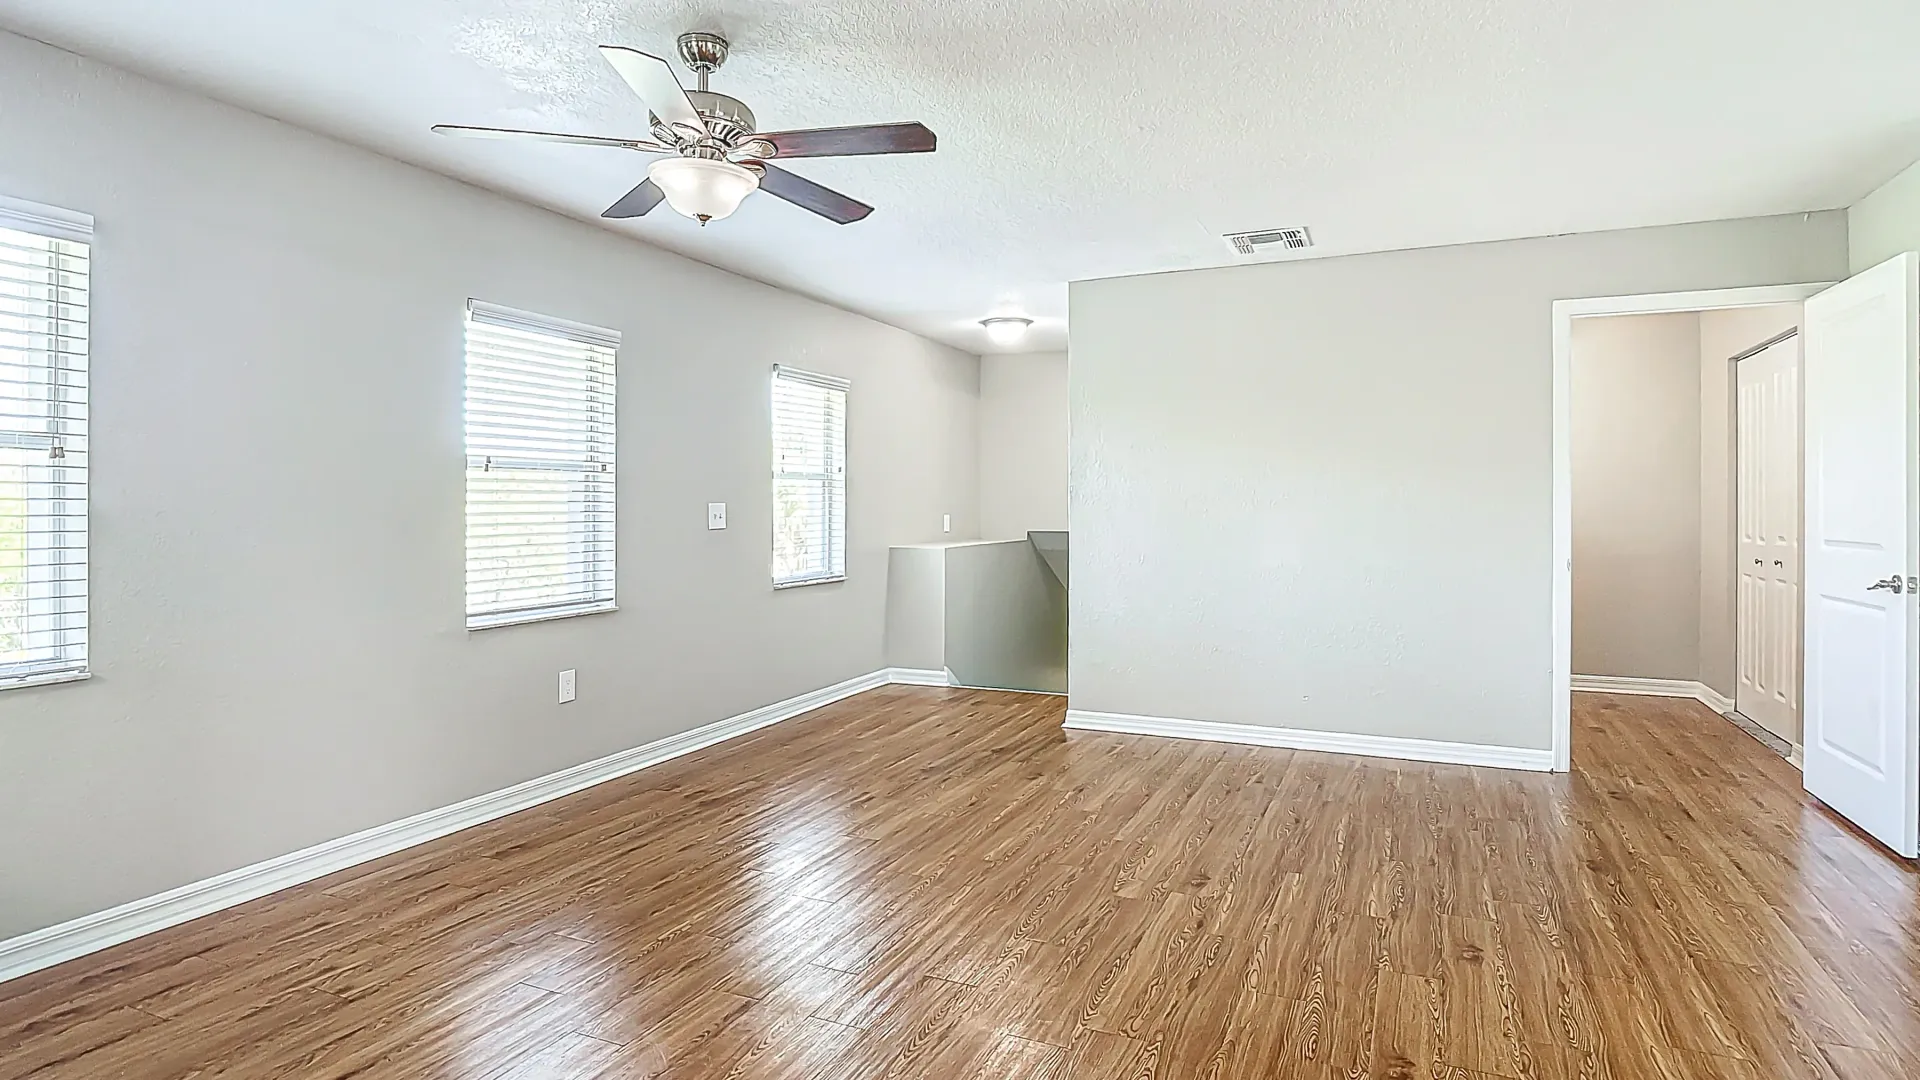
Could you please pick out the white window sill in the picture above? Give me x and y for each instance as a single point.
(519, 618)
(52, 678)
(803, 582)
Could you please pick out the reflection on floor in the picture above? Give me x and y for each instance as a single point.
(941, 883)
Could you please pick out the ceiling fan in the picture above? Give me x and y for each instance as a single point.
(716, 158)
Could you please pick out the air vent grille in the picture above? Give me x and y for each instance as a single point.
(1270, 240)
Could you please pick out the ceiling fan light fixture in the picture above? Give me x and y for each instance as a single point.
(1006, 329)
(702, 189)
(723, 157)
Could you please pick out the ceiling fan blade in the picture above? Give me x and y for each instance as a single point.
(803, 192)
(908, 138)
(652, 78)
(464, 131)
(637, 202)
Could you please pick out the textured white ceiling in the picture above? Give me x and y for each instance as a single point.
(1092, 138)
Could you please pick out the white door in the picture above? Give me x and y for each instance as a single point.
(1862, 708)
(1767, 513)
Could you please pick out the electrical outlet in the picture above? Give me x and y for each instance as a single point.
(566, 686)
(716, 515)
(946, 523)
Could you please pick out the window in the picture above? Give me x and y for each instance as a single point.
(44, 256)
(539, 467)
(809, 478)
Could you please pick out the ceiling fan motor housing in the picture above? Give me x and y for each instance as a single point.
(728, 119)
(702, 52)
(728, 122)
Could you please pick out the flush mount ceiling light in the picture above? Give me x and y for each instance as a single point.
(1006, 329)
(703, 189)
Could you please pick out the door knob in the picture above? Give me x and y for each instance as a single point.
(1777, 562)
(1895, 584)
(1756, 562)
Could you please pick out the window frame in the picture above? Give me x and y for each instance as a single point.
(64, 432)
(837, 538)
(603, 441)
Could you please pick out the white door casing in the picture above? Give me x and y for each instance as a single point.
(1767, 525)
(1861, 705)
(1560, 568)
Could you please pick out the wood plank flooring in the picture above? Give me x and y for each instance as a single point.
(942, 883)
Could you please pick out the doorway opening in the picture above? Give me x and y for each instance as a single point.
(1646, 514)
(1686, 515)
(1853, 572)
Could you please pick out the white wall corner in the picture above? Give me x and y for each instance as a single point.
(1328, 742)
(1714, 699)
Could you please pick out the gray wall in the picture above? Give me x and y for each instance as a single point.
(1316, 494)
(1636, 496)
(277, 606)
(1886, 222)
(1023, 444)
(917, 607)
(1006, 618)
(1723, 335)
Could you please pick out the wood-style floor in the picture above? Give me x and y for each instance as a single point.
(942, 883)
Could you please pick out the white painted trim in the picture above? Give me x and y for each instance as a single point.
(500, 620)
(1675, 688)
(1330, 742)
(912, 676)
(44, 220)
(907, 676)
(1715, 700)
(1560, 695)
(90, 933)
(516, 319)
(51, 678)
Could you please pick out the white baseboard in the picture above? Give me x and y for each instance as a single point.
(913, 676)
(1680, 688)
(1331, 742)
(1714, 699)
(91, 933)
(909, 676)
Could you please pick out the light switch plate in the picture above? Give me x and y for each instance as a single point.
(567, 686)
(946, 523)
(716, 515)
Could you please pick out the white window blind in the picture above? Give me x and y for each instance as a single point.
(540, 468)
(44, 257)
(809, 477)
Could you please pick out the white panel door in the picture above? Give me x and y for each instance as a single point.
(1862, 708)
(1767, 513)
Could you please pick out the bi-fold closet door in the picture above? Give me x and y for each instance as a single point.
(1767, 519)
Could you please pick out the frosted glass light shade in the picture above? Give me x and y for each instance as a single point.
(1006, 330)
(701, 189)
